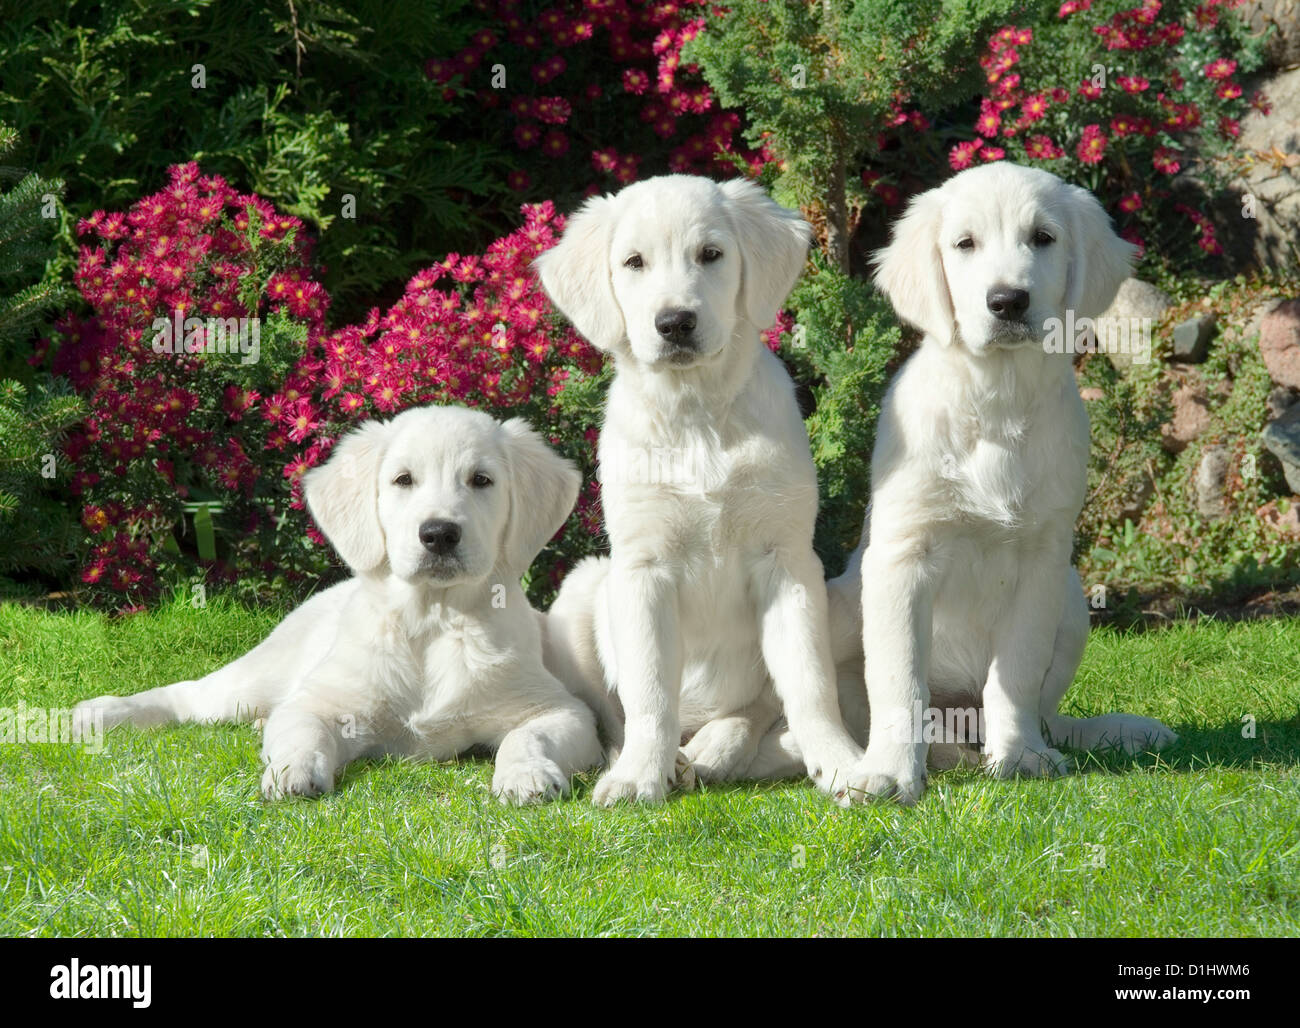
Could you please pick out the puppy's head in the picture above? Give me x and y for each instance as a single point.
(989, 259)
(442, 495)
(667, 271)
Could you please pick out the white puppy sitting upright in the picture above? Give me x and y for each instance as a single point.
(967, 595)
(432, 648)
(712, 592)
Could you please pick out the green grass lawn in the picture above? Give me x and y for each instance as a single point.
(163, 832)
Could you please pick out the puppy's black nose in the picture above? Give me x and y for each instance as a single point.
(1008, 304)
(440, 537)
(676, 325)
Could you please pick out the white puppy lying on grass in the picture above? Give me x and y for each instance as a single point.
(432, 648)
(968, 599)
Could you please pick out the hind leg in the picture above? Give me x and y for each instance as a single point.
(778, 756)
(237, 692)
(723, 749)
(245, 689)
(571, 648)
(1128, 732)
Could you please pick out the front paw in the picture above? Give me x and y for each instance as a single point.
(889, 773)
(522, 784)
(831, 766)
(307, 774)
(1026, 758)
(626, 783)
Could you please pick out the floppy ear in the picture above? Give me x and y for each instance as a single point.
(773, 243)
(343, 496)
(1099, 259)
(910, 269)
(543, 489)
(575, 274)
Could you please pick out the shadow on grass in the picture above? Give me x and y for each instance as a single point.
(580, 784)
(1274, 743)
(1198, 748)
(1248, 593)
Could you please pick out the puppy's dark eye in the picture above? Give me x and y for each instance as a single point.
(965, 243)
(1042, 238)
(480, 480)
(634, 262)
(710, 254)
(403, 480)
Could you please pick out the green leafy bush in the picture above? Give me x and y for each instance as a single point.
(842, 349)
(301, 103)
(842, 94)
(37, 532)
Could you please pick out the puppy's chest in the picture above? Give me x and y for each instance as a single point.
(697, 490)
(437, 672)
(1013, 474)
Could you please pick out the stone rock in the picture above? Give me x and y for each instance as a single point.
(1279, 343)
(1089, 393)
(1272, 517)
(1281, 20)
(1282, 438)
(1192, 338)
(1134, 499)
(1135, 300)
(1268, 215)
(1279, 399)
(1211, 477)
(1191, 417)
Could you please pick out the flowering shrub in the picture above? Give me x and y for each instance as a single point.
(228, 438)
(1117, 97)
(574, 120)
(169, 422)
(189, 462)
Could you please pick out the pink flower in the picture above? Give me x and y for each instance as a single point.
(635, 81)
(556, 144)
(989, 120)
(553, 110)
(963, 154)
(527, 135)
(1165, 160)
(1041, 148)
(1220, 68)
(1089, 90)
(1092, 145)
(1034, 107)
